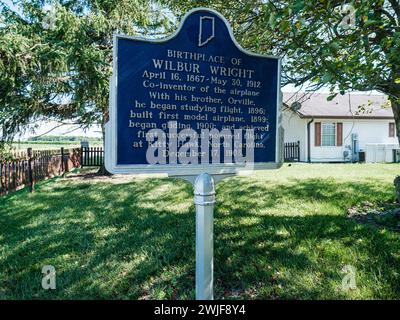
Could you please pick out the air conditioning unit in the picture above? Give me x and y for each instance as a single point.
(346, 155)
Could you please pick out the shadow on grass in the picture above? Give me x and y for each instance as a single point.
(136, 240)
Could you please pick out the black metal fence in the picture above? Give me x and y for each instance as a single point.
(92, 157)
(292, 151)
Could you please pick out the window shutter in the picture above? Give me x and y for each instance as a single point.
(339, 134)
(391, 129)
(317, 134)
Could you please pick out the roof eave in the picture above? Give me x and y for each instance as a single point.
(345, 117)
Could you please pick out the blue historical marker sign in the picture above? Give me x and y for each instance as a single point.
(200, 81)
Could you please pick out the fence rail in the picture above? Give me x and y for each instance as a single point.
(92, 157)
(292, 151)
(27, 168)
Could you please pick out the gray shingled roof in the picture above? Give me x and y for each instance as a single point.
(317, 106)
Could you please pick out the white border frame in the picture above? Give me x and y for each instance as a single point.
(110, 154)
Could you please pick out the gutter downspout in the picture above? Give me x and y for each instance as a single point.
(309, 140)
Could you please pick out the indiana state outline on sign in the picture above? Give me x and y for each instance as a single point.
(207, 30)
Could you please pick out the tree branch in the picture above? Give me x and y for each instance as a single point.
(396, 7)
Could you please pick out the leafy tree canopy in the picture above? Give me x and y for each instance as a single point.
(341, 45)
(55, 61)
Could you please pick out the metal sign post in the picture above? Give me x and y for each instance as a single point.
(204, 199)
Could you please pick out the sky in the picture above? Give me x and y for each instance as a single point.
(9, 3)
(68, 130)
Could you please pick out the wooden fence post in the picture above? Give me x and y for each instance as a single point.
(62, 161)
(31, 186)
(66, 160)
(298, 151)
(81, 160)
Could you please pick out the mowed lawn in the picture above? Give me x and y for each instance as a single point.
(280, 234)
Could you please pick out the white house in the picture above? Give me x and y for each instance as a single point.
(348, 128)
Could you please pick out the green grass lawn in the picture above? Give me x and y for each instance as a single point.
(280, 234)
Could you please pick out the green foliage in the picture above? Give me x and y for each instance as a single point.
(57, 65)
(52, 138)
(317, 49)
(6, 152)
(280, 234)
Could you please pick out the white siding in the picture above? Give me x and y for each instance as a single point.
(369, 131)
(378, 152)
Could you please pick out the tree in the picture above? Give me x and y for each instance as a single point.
(340, 45)
(324, 43)
(55, 61)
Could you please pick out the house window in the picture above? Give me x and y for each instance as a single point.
(391, 129)
(328, 134)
